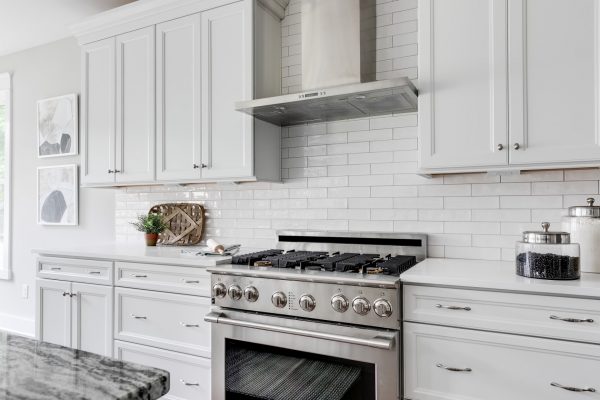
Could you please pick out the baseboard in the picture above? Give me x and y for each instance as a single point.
(18, 325)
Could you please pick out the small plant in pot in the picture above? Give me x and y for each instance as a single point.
(152, 225)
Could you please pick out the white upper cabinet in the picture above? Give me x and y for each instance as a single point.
(227, 73)
(462, 83)
(98, 112)
(554, 82)
(508, 84)
(135, 136)
(183, 65)
(178, 108)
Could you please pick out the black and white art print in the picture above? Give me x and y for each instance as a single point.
(57, 126)
(58, 196)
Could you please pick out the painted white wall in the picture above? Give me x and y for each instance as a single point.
(38, 73)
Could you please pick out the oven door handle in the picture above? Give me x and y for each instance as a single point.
(377, 342)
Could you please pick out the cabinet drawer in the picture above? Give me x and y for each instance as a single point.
(76, 270)
(164, 320)
(495, 366)
(190, 375)
(166, 278)
(536, 315)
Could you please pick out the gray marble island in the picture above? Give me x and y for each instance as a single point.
(32, 370)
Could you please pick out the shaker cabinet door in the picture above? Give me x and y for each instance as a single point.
(135, 106)
(53, 312)
(178, 99)
(554, 81)
(91, 316)
(462, 84)
(98, 112)
(227, 74)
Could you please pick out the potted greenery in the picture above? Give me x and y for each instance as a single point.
(151, 224)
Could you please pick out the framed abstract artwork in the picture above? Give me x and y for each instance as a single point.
(58, 195)
(57, 126)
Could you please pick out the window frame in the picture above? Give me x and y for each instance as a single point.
(6, 267)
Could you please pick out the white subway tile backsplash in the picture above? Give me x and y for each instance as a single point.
(361, 174)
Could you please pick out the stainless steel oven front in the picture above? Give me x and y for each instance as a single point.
(245, 345)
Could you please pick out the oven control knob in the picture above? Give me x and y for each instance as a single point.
(382, 307)
(279, 299)
(235, 292)
(251, 294)
(361, 306)
(219, 290)
(339, 303)
(307, 302)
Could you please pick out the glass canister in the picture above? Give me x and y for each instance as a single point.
(548, 255)
(583, 223)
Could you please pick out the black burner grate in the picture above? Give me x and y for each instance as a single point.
(251, 258)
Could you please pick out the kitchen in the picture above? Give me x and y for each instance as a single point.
(505, 146)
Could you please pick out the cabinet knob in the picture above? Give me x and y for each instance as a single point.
(196, 166)
(516, 146)
(203, 165)
(110, 171)
(500, 147)
(117, 171)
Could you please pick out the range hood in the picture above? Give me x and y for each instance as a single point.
(338, 70)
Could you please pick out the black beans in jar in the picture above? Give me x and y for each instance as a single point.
(547, 266)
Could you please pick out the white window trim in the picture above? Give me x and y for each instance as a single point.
(5, 268)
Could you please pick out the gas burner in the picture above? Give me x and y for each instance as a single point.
(323, 261)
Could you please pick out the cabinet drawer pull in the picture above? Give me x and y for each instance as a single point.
(453, 369)
(453, 307)
(55, 268)
(189, 383)
(138, 316)
(189, 325)
(190, 281)
(591, 321)
(95, 272)
(572, 389)
(140, 276)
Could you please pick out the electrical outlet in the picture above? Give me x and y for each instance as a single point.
(25, 291)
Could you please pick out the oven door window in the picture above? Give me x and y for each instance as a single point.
(262, 372)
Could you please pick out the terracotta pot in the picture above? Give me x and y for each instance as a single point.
(151, 239)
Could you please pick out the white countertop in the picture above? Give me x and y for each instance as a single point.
(495, 275)
(171, 255)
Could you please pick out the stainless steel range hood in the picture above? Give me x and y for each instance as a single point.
(338, 70)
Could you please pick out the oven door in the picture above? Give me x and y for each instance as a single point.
(258, 356)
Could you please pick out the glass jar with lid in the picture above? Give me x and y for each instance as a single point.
(547, 255)
(583, 223)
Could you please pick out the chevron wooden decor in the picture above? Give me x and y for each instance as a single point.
(185, 223)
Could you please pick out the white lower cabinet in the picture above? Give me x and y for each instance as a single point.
(190, 375)
(443, 363)
(77, 315)
(165, 320)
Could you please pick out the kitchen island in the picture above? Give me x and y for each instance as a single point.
(30, 369)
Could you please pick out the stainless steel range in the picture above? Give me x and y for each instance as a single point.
(317, 318)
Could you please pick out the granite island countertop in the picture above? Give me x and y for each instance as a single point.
(34, 370)
(495, 275)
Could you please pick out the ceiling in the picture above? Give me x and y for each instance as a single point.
(30, 23)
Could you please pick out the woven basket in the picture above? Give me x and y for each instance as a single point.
(185, 223)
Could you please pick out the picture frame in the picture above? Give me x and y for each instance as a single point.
(58, 195)
(58, 126)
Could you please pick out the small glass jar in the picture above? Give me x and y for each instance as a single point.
(583, 223)
(548, 255)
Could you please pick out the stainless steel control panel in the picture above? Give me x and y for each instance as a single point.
(360, 305)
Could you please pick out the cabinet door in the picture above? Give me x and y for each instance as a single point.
(227, 71)
(462, 83)
(98, 112)
(190, 375)
(92, 322)
(135, 106)
(443, 363)
(554, 83)
(178, 99)
(53, 312)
